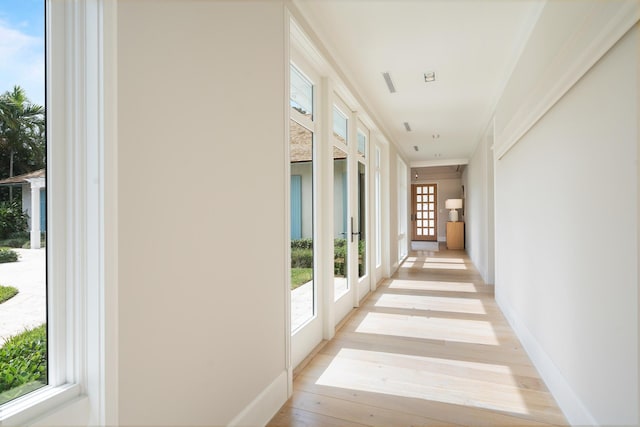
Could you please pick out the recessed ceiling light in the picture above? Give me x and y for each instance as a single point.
(407, 127)
(387, 79)
(430, 76)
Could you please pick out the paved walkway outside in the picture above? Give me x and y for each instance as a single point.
(28, 308)
(302, 301)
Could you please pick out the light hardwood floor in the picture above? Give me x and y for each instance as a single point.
(429, 347)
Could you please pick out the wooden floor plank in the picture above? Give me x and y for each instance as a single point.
(429, 347)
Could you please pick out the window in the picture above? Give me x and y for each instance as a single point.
(80, 118)
(23, 289)
(378, 207)
(340, 125)
(301, 157)
(403, 248)
(362, 143)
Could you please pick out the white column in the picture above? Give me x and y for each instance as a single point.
(36, 185)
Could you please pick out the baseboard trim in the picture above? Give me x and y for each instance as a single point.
(260, 411)
(570, 404)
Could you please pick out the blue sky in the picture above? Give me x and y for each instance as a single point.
(22, 47)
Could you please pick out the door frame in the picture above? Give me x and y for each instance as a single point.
(414, 213)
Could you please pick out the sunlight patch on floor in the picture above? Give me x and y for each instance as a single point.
(444, 265)
(449, 381)
(445, 260)
(445, 304)
(426, 285)
(432, 328)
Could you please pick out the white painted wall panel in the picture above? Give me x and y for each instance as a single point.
(202, 208)
(566, 234)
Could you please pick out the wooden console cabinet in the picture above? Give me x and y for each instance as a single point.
(455, 235)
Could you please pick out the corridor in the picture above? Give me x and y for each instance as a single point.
(429, 347)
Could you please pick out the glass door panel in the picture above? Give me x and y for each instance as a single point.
(340, 223)
(362, 215)
(302, 251)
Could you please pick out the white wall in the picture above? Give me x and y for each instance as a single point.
(477, 179)
(392, 167)
(202, 175)
(566, 237)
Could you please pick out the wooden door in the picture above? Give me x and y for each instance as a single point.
(424, 208)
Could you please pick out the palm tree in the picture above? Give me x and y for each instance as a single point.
(21, 132)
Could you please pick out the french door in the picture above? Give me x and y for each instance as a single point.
(329, 197)
(424, 208)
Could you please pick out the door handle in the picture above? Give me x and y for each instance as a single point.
(352, 232)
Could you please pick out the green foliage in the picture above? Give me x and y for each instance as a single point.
(301, 258)
(12, 219)
(22, 130)
(7, 292)
(302, 244)
(23, 363)
(16, 240)
(300, 276)
(302, 255)
(8, 255)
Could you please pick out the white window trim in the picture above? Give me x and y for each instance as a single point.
(81, 91)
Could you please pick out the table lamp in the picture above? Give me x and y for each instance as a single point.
(453, 204)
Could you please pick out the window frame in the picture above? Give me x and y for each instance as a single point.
(81, 53)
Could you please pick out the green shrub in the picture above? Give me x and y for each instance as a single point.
(16, 240)
(302, 244)
(339, 257)
(23, 363)
(301, 258)
(14, 243)
(12, 219)
(8, 255)
(7, 292)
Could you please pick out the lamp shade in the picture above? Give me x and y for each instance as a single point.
(453, 204)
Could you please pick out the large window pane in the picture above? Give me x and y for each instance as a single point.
(23, 224)
(302, 250)
(340, 223)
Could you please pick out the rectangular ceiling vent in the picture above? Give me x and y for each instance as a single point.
(407, 127)
(387, 79)
(430, 76)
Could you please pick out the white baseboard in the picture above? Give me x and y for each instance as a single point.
(260, 411)
(570, 404)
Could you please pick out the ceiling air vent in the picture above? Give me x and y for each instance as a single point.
(387, 79)
(407, 127)
(430, 76)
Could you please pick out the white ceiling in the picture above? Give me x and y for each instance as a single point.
(472, 46)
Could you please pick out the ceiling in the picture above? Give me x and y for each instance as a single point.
(471, 45)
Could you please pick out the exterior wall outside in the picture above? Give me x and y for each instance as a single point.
(201, 299)
(339, 198)
(305, 170)
(26, 205)
(566, 235)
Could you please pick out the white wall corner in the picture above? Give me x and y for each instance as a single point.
(570, 404)
(260, 411)
(609, 23)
